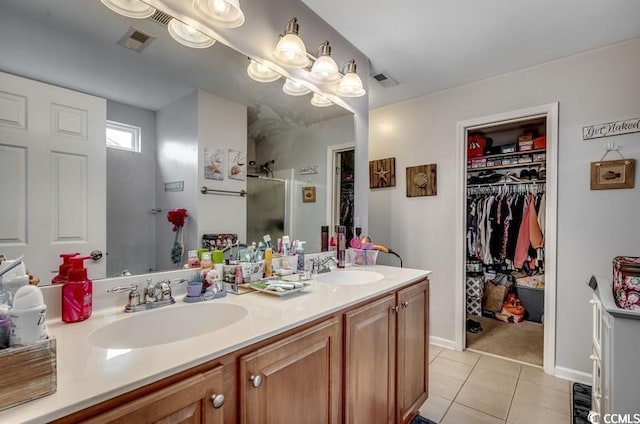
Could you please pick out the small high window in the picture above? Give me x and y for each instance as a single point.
(123, 136)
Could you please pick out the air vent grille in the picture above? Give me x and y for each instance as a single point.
(161, 18)
(135, 39)
(383, 79)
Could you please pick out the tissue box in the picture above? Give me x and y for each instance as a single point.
(29, 372)
(360, 257)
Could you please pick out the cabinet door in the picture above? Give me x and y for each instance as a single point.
(413, 350)
(295, 380)
(182, 402)
(370, 340)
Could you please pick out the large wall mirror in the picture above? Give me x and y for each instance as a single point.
(163, 89)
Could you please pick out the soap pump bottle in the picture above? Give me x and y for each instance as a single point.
(63, 269)
(300, 255)
(77, 293)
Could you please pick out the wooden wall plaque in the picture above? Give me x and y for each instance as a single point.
(422, 180)
(382, 173)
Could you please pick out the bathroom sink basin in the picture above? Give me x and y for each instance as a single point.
(350, 277)
(160, 326)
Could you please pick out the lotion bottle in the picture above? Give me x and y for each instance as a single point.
(300, 254)
(77, 302)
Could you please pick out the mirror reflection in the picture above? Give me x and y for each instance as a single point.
(201, 121)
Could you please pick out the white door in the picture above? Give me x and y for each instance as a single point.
(52, 175)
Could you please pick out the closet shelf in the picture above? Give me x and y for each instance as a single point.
(501, 155)
(515, 165)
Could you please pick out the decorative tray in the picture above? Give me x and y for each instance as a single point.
(262, 287)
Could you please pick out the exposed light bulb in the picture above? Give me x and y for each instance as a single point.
(223, 13)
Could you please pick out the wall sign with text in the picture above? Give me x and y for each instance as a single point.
(611, 128)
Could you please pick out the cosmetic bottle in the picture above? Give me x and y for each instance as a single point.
(205, 262)
(28, 317)
(77, 302)
(342, 244)
(285, 246)
(193, 260)
(63, 269)
(324, 238)
(300, 255)
(268, 257)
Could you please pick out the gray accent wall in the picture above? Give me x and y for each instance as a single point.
(131, 226)
(594, 87)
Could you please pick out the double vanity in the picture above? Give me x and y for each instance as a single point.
(352, 347)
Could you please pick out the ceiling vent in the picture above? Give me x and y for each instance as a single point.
(161, 18)
(384, 79)
(135, 39)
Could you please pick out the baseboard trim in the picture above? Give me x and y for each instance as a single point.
(439, 341)
(573, 375)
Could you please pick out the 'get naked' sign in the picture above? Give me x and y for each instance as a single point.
(611, 128)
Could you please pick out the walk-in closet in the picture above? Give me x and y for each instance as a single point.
(505, 239)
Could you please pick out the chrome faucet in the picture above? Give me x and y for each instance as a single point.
(154, 295)
(319, 265)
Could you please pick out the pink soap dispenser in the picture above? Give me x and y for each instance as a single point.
(77, 293)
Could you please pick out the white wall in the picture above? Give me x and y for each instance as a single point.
(221, 124)
(177, 150)
(593, 226)
(131, 227)
(302, 147)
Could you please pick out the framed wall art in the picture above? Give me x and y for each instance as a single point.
(612, 174)
(382, 173)
(422, 180)
(308, 194)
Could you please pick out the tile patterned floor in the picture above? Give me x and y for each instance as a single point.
(471, 388)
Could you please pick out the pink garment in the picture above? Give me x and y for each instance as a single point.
(537, 240)
(524, 237)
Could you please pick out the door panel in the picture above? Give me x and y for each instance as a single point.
(53, 141)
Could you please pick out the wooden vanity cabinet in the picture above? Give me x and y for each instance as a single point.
(387, 357)
(198, 398)
(294, 380)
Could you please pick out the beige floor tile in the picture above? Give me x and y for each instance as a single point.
(435, 407)
(524, 412)
(502, 366)
(493, 381)
(537, 376)
(443, 385)
(454, 369)
(434, 351)
(484, 399)
(460, 414)
(465, 356)
(555, 400)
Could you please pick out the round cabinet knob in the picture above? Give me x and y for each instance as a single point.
(217, 400)
(405, 304)
(256, 380)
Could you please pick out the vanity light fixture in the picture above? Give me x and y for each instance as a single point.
(320, 101)
(223, 13)
(290, 50)
(294, 88)
(136, 9)
(188, 35)
(261, 73)
(350, 85)
(325, 69)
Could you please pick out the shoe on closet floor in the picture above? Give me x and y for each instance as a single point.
(473, 326)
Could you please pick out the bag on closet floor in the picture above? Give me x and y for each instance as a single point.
(493, 297)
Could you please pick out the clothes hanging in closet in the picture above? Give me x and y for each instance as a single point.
(506, 228)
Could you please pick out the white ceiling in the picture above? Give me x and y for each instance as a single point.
(431, 45)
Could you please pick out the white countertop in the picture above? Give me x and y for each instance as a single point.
(88, 375)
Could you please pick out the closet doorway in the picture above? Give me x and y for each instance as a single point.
(341, 159)
(505, 256)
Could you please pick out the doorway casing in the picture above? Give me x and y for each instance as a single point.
(550, 112)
